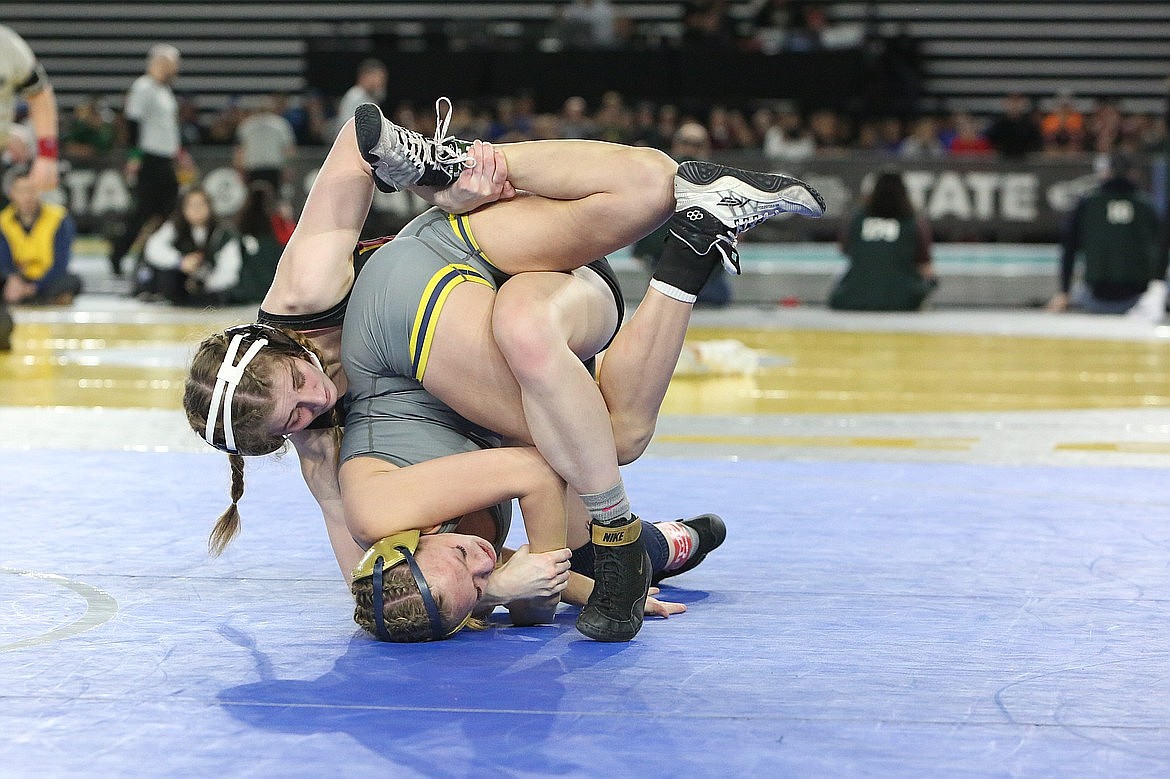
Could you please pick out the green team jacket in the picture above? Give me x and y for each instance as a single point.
(1117, 231)
(884, 257)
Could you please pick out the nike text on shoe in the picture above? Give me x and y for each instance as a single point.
(403, 158)
(707, 193)
(621, 580)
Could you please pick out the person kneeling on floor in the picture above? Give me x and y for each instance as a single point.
(889, 249)
(36, 244)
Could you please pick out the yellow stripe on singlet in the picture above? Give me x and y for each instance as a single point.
(461, 226)
(426, 317)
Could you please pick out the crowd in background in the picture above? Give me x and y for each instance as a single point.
(780, 129)
(185, 254)
(265, 132)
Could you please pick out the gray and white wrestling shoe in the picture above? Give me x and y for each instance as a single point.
(404, 158)
(715, 204)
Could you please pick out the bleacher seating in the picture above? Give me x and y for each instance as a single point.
(972, 53)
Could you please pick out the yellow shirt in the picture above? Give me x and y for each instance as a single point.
(32, 250)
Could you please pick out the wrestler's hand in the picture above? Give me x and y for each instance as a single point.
(661, 608)
(529, 575)
(485, 182)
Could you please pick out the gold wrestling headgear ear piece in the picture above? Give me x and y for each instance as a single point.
(387, 553)
(231, 372)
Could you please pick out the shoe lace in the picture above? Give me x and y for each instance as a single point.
(747, 222)
(606, 573)
(447, 151)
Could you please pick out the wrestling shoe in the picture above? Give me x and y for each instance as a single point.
(711, 531)
(621, 580)
(403, 158)
(715, 204)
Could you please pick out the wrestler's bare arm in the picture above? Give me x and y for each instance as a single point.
(316, 267)
(429, 493)
(317, 452)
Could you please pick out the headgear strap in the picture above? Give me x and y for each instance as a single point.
(228, 378)
(386, 554)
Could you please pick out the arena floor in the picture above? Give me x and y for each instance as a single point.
(947, 556)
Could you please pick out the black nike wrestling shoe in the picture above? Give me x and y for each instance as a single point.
(403, 158)
(711, 531)
(715, 204)
(621, 581)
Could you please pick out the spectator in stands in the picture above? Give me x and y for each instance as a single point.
(511, 121)
(808, 30)
(707, 26)
(369, 87)
(788, 139)
(546, 127)
(644, 131)
(968, 139)
(720, 130)
(668, 120)
(587, 24)
(1063, 128)
(222, 127)
(263, 230)
(922, 143)
(265, 145)
(771, 22)
(889, 250)
(467, 120)
(613, 121)
(92, 131)
(868, 138)
(307, 116)
(743, 135)
(1144, 133)
(1117, 231)
(761, 120)
(1015, 132)
(690, 142)
(193, 259)
(575, 119)
(192, 131)
(21, 75)
(152, 118)
(828, 132)
(1103, 127)
(36, 244)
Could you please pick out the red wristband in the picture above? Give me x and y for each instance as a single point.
(47, 147)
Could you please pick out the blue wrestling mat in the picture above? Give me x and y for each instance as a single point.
(893, 619)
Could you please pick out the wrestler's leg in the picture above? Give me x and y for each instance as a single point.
(544, 325)
(468, 372)
(636, 370)
(595, 198)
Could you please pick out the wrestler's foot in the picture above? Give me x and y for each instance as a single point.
(403, 158)
(715, 204)
(711, 532)
(621, 580)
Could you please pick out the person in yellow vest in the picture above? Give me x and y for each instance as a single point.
(36, 242)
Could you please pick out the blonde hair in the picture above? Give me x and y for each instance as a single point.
(251, 406)
(403, 611)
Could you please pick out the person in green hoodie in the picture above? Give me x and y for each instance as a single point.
(889, 249)
(1116, 230)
